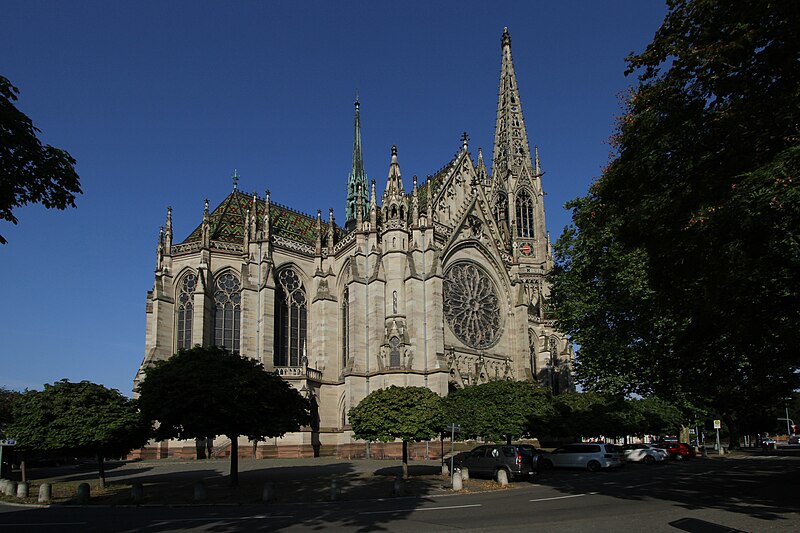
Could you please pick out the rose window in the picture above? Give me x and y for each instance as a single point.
(471, 305)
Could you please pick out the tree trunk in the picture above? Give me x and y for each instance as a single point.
(405, 459)
(102, 469)
(508, 439)
(234, 461)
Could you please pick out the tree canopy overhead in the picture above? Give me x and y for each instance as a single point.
(405, 413)
(79, 418)
(29, 171)
(499, 410)
(679, 273)
(207, 391)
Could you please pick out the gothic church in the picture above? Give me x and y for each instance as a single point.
(441, 284)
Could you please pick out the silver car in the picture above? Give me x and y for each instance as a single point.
(644, 453)
(590, 455)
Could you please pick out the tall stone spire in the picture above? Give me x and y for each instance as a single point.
(511, 151)
(357, 183)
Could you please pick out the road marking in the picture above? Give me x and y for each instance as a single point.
(218, 519)
(563, 497)
(423, 509)
(28, 524)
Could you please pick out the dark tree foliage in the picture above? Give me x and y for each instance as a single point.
(207, 391)
(499, 410)
(678, 275)
(78, 418)
(7, 400)
(405, 413)
(29, 171)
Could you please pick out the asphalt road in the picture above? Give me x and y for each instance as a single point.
(700, 496)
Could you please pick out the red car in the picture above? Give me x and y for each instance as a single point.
(677, 450)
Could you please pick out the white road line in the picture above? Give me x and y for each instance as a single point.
(423, 509)
(45, 524)
(563, 497)
(217, 519)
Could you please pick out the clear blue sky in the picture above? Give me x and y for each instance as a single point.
(160, 101)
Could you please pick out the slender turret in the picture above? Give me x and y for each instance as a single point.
(357, 183)
(511, 151)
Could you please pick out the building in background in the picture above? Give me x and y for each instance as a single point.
(439, 284)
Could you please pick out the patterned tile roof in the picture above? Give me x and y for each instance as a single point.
(229, 220)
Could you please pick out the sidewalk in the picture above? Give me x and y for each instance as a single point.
(172, 482)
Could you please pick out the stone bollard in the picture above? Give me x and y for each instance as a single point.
(84, 493)
(12, 488)
(45, 493)
(399, 486)
(457, 482)
(335, 491)
(445, 469)
(137, 493)
(22, 490)
(464, 473)
(4, 486)
(268, 492)
(502, 477)
(200, 492)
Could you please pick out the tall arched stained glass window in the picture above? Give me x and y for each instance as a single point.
(290, 319)
(186, 311)
(524, 214)
(227, 307)
(345, 327)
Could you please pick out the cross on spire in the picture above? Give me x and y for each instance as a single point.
(235, 179)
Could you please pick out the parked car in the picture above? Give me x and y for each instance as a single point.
(517, 460)
(793, 439)
(677, 450)
(589, 455)
(644, 453)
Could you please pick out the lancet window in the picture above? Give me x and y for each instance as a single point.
(186, 311)
(227, 311)
(290, 319)
(524, 214)
(345, 327)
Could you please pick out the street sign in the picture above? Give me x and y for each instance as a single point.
(8, 442)
(454, 428)
(717, 424)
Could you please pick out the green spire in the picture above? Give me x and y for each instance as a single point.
(357, 180)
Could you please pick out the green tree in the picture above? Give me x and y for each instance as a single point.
(688, 245)
(78, 418)
(29, 171)
(405, 413)
(207, 391)
(8, 398)
(499, 410)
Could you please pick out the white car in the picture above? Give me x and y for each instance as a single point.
(645, 453)
(590, 455)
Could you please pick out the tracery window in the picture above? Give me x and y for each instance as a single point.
(186, 311)
(345, 327)
(290, 319)
(227, 310)
(524, 214)
(471, 305)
